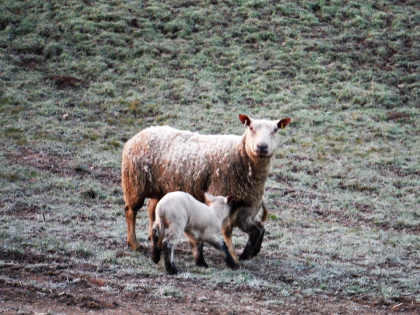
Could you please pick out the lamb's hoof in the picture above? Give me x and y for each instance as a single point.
(201, 264)
(171, 270)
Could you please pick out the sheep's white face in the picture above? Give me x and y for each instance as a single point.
(261, 135)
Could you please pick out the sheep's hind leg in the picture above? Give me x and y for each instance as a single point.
(130, 219)
(256, 235)
(151, 206)
(168, 253)
(221, 245)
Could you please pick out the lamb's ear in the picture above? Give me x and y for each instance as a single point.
(229, 200)
(208, 198)
(283, 123)
(245, 120)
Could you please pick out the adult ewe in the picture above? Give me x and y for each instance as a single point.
(159, 160)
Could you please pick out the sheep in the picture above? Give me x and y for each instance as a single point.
(161, 159)
(178, 213)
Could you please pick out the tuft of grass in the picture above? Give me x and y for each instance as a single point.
(168, 291)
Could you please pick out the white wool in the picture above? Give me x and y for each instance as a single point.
(183, 213)
(184, 150)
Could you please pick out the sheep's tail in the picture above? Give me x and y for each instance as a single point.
(264, 213)
(157, 237)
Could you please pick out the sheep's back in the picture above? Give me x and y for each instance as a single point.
(171, 159)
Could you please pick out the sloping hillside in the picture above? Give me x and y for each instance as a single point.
(79, 78)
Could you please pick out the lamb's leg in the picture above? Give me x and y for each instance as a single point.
(200, 256)
(168, 253)
(256, 232)
(197, 248)
(156, 247)
(130, 219)
(227, 237)
(151, 206)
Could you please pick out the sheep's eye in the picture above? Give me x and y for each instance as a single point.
(251, 128)
(275, 130)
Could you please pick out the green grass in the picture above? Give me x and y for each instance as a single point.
(77, 80)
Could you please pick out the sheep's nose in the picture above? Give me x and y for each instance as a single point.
(262, 148)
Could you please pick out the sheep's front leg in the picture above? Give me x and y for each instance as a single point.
(168, 253)
(221, 245)
(227, 237)
(256, 232)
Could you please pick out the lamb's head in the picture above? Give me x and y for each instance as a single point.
(220, 204)
(262, 136)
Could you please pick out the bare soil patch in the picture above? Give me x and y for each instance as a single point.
(24, 286)
(31, 282)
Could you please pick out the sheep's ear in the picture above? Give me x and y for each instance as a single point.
(245, 120)
(283, 123)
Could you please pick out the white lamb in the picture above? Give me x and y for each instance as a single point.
(179, 213)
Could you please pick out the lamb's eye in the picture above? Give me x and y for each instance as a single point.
(274, 130)
(251, 128)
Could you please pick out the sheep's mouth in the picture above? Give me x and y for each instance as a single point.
(260, 154)
(263, 155)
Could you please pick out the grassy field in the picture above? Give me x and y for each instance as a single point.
(79, 78)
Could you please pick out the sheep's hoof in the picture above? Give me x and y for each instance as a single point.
(201, 263)
(171, 269)
(134, 246)
(155, 255)
(253, 246)
(244, 256)
(232, 265)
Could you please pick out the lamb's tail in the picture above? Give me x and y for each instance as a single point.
(157, 236)
(264, 213)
